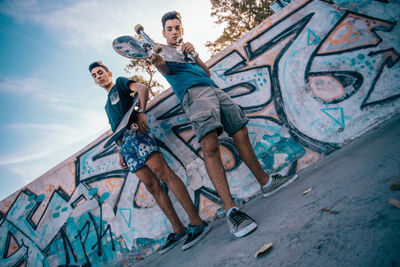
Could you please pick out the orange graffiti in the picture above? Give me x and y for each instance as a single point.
(71, 168)
(72, 188)
(309, 158)
(186, 135)
(80, 202)
(207, 208)
(113, 183)
(346, 37)
(49, 188)
(142, 194)
(12, 246)
(7, 205)
(369, 22)
(143, 197)
(269, 111)
(270, 58)
(326, 88)
(227, 158)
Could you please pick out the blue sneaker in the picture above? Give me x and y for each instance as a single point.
(195, 234)
(172, 240)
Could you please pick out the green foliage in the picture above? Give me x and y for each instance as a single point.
(239, 16)
(142, 66)
(138, 67)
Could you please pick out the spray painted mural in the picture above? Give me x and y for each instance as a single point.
(311, 78)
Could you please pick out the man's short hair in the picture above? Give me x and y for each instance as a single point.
(98, 64)
(170, 15)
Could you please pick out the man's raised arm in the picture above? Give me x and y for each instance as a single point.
(160, 64)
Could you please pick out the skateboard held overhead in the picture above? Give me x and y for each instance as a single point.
(131, 47)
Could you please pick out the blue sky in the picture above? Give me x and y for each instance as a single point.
(49, 106)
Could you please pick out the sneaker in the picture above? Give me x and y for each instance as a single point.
(172, 240)
(278, 181)
(239, 223)
(195, 234)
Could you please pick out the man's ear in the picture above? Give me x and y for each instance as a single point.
(110, 74)
(182, 31)
(163, 33)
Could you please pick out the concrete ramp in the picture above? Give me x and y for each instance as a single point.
(345, 220)
(311, 78)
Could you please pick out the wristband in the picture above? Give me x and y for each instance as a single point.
(140, 111)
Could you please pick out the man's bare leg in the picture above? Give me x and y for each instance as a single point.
(159, 166)
(161, 197)
(239, 223)
(215, 169)
(246, 152)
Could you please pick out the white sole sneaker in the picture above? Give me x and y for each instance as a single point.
(248, 229)
(282, 186)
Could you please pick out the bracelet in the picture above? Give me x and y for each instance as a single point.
(140, 111)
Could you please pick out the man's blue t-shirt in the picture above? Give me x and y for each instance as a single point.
(118, 101)
(186, 75)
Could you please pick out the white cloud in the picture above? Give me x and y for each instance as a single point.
(40, 89)
(78, 121)
(57, 143)
(50, 94)
(23, 158)
(38, 126)
(50, 138)
(96, 23)
(27, 172)
(11, 8)
(90, 23)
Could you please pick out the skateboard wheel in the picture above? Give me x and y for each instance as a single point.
(134, 127)
(157, 49)
(139, 28)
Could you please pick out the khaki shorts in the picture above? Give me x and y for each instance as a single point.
(208, 109)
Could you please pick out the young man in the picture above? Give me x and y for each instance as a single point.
(210, 111)
(139, 152)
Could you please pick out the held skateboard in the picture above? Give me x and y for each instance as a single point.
(127, 122)
(131, 47)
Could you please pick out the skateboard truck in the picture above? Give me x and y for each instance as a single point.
(156, 47)
(191, 54)
(134, 126)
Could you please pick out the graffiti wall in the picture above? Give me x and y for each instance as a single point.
(311, 78)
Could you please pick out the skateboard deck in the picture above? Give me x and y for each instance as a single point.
(128, 121)
(131, 47)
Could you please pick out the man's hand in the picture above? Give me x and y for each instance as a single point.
(187, 48)
(160, 64)
(122, 162)
(157, 60)
(142, 123)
